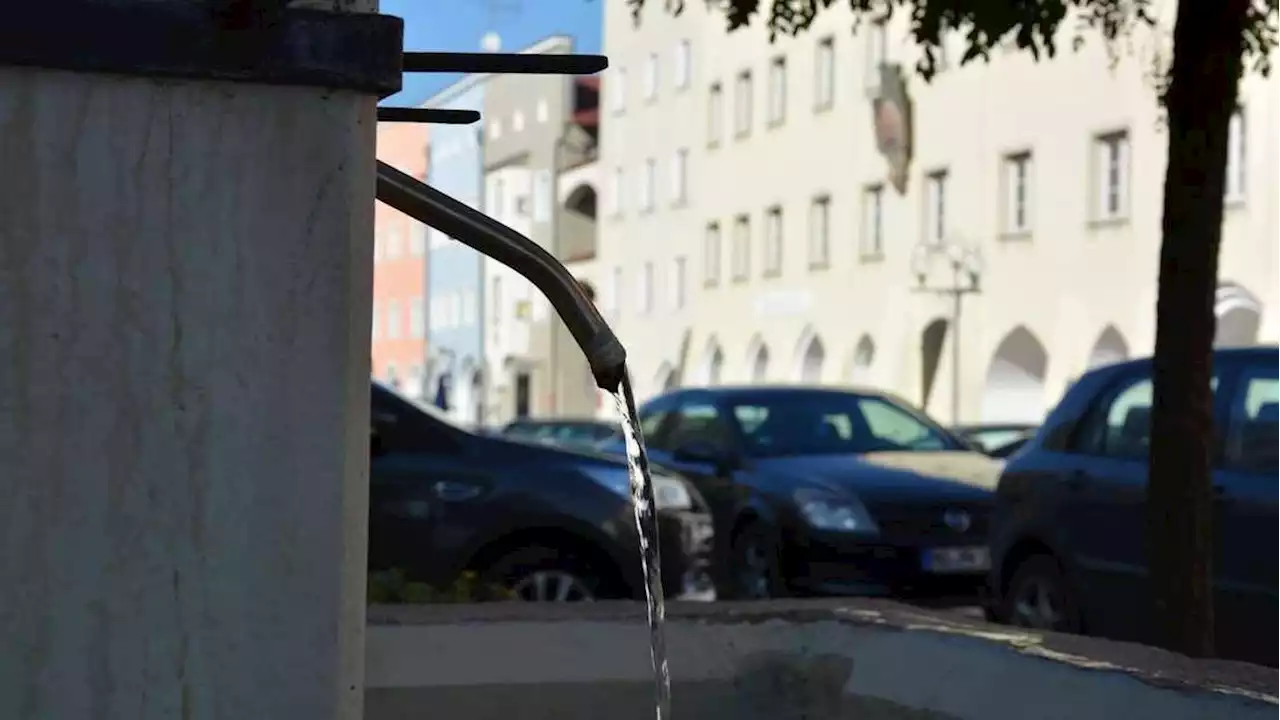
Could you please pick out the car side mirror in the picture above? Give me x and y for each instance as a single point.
(703, 453)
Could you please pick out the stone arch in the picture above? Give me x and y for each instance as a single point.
(1239, 313)
(1110, 348)
(1014, 387)
(811, 356)
(757, 360)
(864, 357)
(712, 366)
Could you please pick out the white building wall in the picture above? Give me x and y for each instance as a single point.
(509, 298)
(1064, 283)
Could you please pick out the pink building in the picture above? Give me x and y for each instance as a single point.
(399, 342)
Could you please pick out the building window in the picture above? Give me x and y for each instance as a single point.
(618, 91)
(1111, 176)
(648, 181)
(678, 283)
(417, 319)
(394, 244)
(935, 209)
(496, 199)
(824, 93)
(683, 64)
(820, 232)
(495, 308)
(543, 112)
(715, 114)
(393, 320)
(651, 77)
(711, 256)
(680, 177)
(517, 121)
(469, 310)
(778, 91)
(417, 239)
(742, 104)
(644, 290)
(773, 242)
(617, 290)
(614, 192)
(877, 54)
(873, 221)
(495, 129)
(1017, 193)
(375, 327)
(741, 258)
(613, 291)
(1236, 158)
(379, 246)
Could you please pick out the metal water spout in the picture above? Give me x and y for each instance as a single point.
(604, 352)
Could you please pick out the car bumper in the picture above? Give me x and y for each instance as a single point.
(840, 564)
(685, 540)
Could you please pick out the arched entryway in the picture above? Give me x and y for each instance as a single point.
(757, 361)
(1239, 312)
(932, 339)
(864, 356)
(1014, 388)
(712, 368)
(665, 379)
(811, 357)
(1110, 348)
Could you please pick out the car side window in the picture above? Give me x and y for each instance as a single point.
(699, 423)
(1120, 427)
(397, 426)
(896, 426)
(1252, 428)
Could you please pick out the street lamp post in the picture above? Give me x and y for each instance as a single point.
(966, 268)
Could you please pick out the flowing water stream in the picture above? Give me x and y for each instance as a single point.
(647, 526)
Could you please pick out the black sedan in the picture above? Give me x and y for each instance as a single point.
(547, 523)
(824, 491)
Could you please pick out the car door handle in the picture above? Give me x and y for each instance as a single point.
(450, 491)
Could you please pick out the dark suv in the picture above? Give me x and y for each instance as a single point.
(1067, 538)
(548, 523)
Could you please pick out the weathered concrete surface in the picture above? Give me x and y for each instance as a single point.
(776, 661)
(185, 275)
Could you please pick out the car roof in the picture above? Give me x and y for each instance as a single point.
(563, 421)
(1257, 352)
(780, 389)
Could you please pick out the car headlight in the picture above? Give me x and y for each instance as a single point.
(840, 513)
(669, 493)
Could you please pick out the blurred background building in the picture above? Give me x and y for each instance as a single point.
(812, 211)
(399, 335)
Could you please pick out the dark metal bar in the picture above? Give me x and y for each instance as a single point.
(471, 227)
(509, 63)
(440, 116)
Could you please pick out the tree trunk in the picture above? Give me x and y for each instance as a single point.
(1201, 97)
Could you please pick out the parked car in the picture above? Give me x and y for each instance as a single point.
(568, 432)
(826, 491)
(1068, 529)
(999, 440)
(548, 523)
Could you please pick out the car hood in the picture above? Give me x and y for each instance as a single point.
(887, 476)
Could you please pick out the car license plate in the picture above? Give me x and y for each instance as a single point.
(976, 559)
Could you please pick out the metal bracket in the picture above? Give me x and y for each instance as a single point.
(349, 51)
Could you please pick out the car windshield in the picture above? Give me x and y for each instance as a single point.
(833, 423)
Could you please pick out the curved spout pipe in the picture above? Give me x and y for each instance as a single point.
(471, 227)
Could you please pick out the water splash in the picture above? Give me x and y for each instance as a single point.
(650, 559)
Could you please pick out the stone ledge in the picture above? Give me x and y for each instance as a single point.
(1147, 664)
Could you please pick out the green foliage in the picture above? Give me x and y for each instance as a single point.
(392, 587)
(1031, 25)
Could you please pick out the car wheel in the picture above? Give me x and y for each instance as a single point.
(1039, 597)
(544, 574)
(754, 572)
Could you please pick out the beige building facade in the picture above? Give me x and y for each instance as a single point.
(750, 229)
